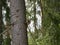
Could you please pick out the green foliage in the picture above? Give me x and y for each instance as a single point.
(4, 4)
(7, 41)
(50, 23)
(51, 19)
(7, 14)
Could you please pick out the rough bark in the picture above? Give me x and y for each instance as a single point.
(18, 21)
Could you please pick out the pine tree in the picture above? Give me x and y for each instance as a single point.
(18, 21)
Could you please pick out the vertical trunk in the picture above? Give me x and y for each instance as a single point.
(1, 23)
(18, 20)
(43, 16)
(35, 14)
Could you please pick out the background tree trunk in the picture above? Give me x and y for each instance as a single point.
(18, 20)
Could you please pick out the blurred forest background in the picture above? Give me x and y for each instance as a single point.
(42, 18)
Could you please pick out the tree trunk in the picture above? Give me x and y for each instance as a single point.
(18, 21)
